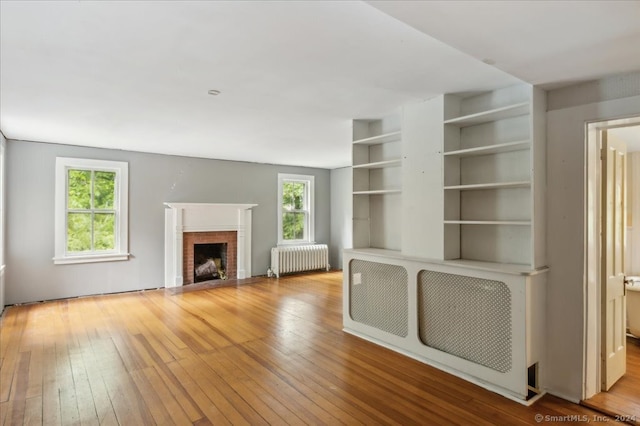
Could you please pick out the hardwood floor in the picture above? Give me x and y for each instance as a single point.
(271, 352)
(623, 399)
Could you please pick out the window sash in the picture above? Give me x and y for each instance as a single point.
(305, 226)
(92, 211)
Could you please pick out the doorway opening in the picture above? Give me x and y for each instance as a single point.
(621, 398)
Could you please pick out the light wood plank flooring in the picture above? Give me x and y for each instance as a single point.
(269, 352)
(623, 399)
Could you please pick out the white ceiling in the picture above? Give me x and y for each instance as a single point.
(546, 43)
(134, 75)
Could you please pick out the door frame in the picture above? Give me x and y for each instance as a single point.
(592, 258)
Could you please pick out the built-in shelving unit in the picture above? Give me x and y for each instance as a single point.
(377, 183)
(448, 258)
(490, 145)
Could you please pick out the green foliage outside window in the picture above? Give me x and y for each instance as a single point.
(294, 214)
(90, 210)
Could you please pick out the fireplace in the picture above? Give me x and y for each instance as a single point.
(190, 224)
(200, 247)
(209, 262)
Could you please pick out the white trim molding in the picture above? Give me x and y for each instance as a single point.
(309, 208)
(204, 217)
(592, 361)
(3, 179)
(121, 199)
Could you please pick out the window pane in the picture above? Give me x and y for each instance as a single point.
(79, 189)
(104, 190)
(293, 195)
(293, 225)
(78, 231)
(104, 231)
(298, 196)
(287, 196)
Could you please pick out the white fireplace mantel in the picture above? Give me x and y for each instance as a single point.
(204, 217)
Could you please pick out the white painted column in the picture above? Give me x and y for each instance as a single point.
(247, 244)
(178, 248)
(169, 254)
(240, 246)
(173, 247)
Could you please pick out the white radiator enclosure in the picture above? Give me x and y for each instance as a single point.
(486, 326)
(285, 259)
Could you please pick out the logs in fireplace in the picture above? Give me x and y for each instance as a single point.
(209, 262)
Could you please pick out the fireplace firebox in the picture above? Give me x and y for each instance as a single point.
(208, 252)
(209, 262)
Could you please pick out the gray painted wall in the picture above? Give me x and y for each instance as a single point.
(341, 214)
(605, 89)
(153, 179)
(566, 206)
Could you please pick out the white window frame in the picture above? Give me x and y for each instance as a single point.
(121, 198)
(3, 176)
(309, 235)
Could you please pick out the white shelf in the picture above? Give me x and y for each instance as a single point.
(374, 140)
(378, 192)
(509, 268)
(495, 185)
(379, 164)
(396, 254)
(491, 149)
(488, 222)
(490, 115)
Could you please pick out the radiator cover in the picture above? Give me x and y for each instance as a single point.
(380, 300)
(466, 317)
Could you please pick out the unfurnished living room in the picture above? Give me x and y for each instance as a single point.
(319, 212)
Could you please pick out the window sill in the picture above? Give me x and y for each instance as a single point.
(91, 258)
(295, 243)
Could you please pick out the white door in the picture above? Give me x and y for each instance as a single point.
(614, 350)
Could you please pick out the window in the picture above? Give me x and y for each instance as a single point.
(91, 211)
(295, 212)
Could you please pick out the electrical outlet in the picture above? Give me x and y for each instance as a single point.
(357, 278)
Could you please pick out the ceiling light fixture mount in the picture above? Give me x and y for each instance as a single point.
(213, 92)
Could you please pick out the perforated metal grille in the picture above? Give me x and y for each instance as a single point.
(466, 317)
(380, 300)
